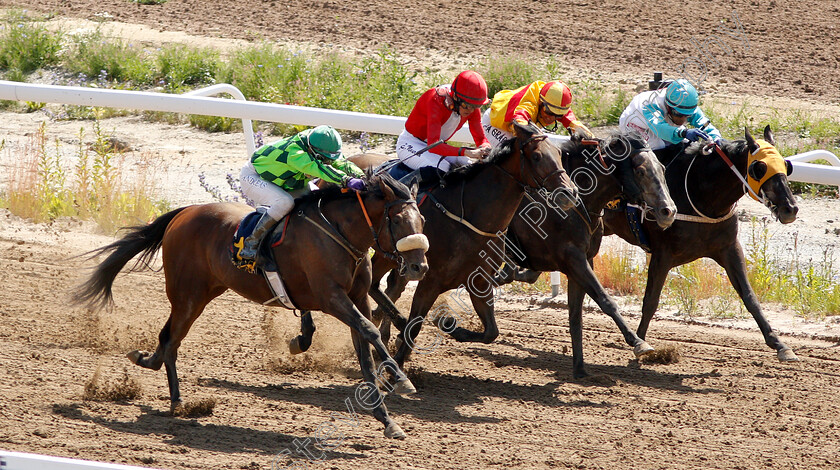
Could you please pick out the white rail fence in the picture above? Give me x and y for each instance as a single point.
(202, 102)
(22, 461)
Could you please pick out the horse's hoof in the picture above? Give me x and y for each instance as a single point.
(294, 346)
(787, 355)
(642, 348)
(404, 387)
(174, 407)
(394, 431)
(135, 356)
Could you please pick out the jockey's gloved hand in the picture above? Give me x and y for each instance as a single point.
(356, 184)
(693, 135)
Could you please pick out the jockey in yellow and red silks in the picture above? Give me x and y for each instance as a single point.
(543, 103)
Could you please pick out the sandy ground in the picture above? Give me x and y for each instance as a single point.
(727, 404)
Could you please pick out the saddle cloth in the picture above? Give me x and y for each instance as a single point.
(265, 262)
(634, 216)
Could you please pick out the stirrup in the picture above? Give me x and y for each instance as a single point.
(248, 264)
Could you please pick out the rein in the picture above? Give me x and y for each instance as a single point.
(342, 241)
(703, 218)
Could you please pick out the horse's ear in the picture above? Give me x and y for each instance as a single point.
(575, 136)
(750, 141)
(524, 130)
(386, 190)
(768, 135)
(415, 186)
(757, 170)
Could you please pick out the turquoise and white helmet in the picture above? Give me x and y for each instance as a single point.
(681, 97)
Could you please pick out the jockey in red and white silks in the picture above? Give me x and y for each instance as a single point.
(436, 116)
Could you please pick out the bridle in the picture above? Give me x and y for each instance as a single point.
(535, 179)
(394, 254)
(358, 255)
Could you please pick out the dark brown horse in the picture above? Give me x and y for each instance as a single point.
(323, 261)
(568, 241)
(705, 190)
(465, 216)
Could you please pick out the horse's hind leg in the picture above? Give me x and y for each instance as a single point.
(732, 261)
(301, 342)
(181, 318)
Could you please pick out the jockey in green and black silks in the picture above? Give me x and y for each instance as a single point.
(277, 173)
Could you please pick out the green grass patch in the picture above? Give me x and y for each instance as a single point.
(94, 57)
(26, 46)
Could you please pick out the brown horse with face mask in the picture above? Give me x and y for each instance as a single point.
(705, 189)
(323, 261)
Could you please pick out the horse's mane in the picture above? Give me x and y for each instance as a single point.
(731, 148)
(497, 156)
(333, 192)
(633, 138)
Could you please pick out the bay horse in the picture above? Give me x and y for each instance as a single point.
(466, 216)
(323, 260)
(706, 191)
(568, 241)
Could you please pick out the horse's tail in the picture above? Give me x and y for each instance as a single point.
(96, 292)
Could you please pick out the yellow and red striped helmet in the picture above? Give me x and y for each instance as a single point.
(557, 97)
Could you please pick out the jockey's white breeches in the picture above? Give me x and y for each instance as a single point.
(265, 193)
(408, 145)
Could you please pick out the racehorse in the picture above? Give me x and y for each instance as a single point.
(706, 190)
(323, 260)
(568, 241)
(485, 197)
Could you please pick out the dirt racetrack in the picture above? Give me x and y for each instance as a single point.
(728, 404)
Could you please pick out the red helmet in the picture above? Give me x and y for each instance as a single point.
(469, 87)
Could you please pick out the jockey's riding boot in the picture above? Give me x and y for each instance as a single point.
(252, 242)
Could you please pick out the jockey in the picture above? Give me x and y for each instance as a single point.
(661, 115)
(436, 116)
(544, 103)
(277, 173)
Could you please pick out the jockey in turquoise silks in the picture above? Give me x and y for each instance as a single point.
(277, 173)
(661, 117)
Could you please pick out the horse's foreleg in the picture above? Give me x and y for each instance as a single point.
(657, 274)
(395, 288)
(373, 397)
(582, 273)
(732, 261)
(575, 296)
(423, 300)
(483, 305)
(301, 342)
(356, 314)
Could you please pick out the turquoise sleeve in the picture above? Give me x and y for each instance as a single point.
(700, 121)
(658, 125)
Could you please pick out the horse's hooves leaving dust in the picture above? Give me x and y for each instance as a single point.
(787, 355)
(601, 380)
(669, 354)
(642, 348)
(394, 431)
(135, 356)
(294, 346)
(404, 387)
